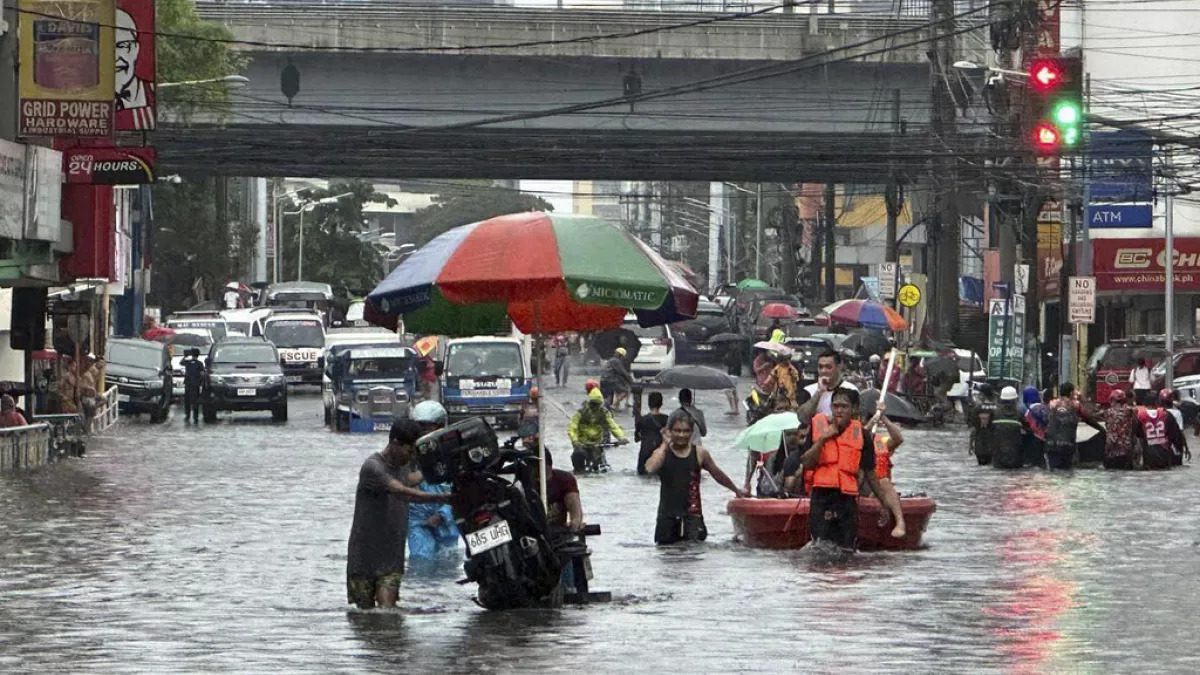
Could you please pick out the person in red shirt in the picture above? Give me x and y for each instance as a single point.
(9, 415)
(563, 507)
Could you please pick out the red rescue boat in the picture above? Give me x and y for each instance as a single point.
(783, 523)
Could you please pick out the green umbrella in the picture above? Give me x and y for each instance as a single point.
(752, 283)
(764, 435)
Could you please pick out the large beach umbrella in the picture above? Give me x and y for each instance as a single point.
(867, 313)
(546, 272)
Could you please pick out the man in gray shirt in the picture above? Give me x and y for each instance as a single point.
(375, 556)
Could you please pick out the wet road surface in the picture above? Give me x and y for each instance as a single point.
(222, 548)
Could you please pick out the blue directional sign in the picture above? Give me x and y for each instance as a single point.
(1100, 216)
(1121, 166)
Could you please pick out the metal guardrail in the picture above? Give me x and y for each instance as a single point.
(107, 412)
(24, 448)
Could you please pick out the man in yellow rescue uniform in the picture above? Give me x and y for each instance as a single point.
(842, 454)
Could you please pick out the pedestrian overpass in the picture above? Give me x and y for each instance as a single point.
(397, 91)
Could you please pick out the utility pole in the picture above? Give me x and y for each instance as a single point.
(758, 221)
(830, 243)
(9, 19)
(948, 237)
(893, 200)
(1169, 248)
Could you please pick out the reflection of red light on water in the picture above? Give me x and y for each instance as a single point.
(1031, 500)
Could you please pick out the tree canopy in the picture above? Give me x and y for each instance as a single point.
(469, 206)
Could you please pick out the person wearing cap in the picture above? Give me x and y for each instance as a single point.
(529, 409)
(587, 428)
(980, 422)
(379, 531)
(1008, 431)
(1121, 433)
(431, 530)
(616, 381)
(9, 415)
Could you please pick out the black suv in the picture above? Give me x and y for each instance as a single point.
(244, 374)
(142, 372)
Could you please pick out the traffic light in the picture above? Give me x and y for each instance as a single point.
(1055, 104)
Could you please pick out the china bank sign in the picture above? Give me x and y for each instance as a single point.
(1140, 264)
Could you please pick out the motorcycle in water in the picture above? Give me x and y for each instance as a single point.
(510, 553)
(591, 458)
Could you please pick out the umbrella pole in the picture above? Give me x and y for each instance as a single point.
(537, 375)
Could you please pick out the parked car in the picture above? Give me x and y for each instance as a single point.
(971, 374)
(212, 321)
(658, 348)
(141, 370)
(372, 387)
(1110, 365)
(246, 322)
(244, 374)
(805, 352)
(1185, 372)
(691, 337)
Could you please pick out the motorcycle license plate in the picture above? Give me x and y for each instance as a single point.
(247, 392)
(488, 538)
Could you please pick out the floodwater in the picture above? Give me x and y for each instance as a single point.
(175, 548)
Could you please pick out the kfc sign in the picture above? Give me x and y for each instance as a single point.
(1140, 264)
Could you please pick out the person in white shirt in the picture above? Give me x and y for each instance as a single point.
(816, 397)
(1140, 378)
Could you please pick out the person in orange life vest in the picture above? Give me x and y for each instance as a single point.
(842, 454)
(885, 444)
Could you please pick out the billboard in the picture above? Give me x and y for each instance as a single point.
(1139, 265)
(134, 66)
(1121, 166)
(66, 68)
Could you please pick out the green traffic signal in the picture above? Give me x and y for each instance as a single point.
(1067, 114)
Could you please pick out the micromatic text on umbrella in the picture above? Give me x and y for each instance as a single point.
(594, 292)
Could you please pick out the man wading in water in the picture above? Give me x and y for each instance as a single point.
(678, 462)
(375, 560)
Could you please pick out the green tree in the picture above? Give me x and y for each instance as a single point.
(183, 59)
(195, 247)
(334, 250)
(471, 205)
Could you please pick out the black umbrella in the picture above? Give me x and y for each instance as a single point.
(721, 338)
(606, 343)
(899, 409)
(694, 377)
(866, 342)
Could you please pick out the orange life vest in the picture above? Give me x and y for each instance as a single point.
(837, 466)
(883, 459)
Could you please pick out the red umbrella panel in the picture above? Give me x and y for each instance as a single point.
(778, 310)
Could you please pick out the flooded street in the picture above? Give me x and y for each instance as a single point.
(222, 548)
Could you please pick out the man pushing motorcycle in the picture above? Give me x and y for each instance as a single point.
(586, 431)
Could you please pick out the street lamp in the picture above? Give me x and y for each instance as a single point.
(971, 65)
(308, 207)
(234, 81)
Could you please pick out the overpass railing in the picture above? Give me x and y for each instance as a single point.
(24, 448)
(907, 8)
